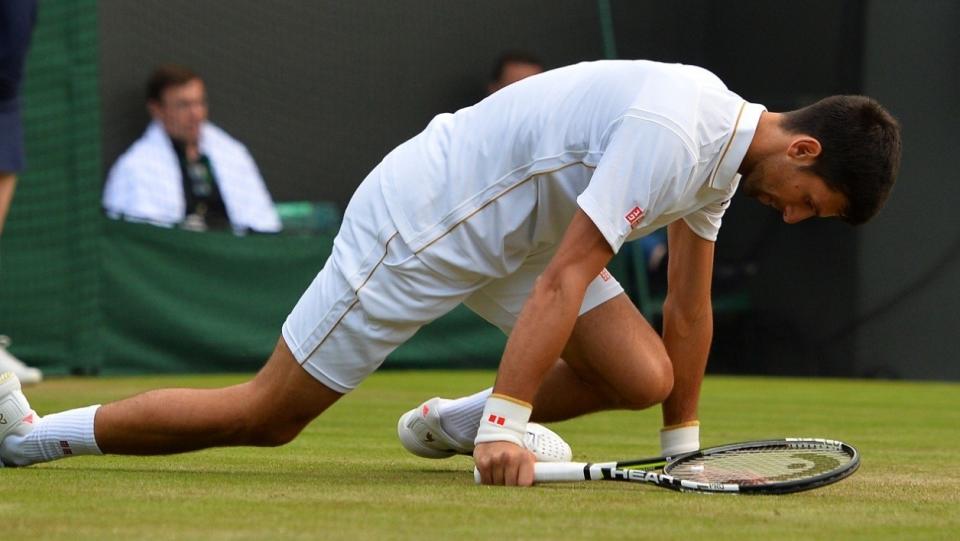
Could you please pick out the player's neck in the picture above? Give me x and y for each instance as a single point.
(767, 140)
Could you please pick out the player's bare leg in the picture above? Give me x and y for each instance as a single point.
(269, 410)
(614, 360)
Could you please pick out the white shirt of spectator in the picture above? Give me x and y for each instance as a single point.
(635, 144)
(146, 184)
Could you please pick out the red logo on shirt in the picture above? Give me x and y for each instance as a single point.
(634, 216)
(605, 275)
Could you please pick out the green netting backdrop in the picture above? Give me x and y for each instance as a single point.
(83, 294)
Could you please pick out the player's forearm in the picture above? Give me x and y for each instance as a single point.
(687, 333)
(544, 326)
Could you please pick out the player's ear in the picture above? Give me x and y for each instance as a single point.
(804, 148)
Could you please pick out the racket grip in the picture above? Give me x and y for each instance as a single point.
(559, 472)
(551, 472)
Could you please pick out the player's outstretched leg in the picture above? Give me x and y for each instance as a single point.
(269, 410)
(426, 432)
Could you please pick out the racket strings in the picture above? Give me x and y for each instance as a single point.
(761, 465)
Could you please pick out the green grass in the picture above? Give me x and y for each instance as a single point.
(346, 476)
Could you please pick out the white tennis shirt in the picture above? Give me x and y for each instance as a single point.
(635, 144)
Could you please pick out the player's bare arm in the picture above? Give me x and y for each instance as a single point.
(687, 320)
(542, 330)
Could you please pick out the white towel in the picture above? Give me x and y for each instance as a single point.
(146, 184)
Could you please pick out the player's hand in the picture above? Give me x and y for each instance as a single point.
(504, 463)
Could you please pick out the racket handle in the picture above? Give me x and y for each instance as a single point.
(559, 472)
(551, 472)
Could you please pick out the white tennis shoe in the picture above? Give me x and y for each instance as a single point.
(422, 434)
(8, 363)
(16, 417)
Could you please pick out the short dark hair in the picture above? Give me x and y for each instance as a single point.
(166, 76)
(512, 57)
(860, 150)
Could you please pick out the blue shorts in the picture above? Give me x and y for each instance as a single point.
(11, 137)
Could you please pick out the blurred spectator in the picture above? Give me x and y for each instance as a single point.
(17, 18)
(511, 67)
(186, 171)
(654, 250)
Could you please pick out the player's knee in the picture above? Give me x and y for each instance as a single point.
(651, 388)
(662, 383)
(260, 422)
(282, 435)
(274, 431)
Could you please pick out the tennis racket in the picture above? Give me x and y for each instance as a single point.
(753, 467)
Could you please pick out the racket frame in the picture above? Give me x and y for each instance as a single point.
(645, 470)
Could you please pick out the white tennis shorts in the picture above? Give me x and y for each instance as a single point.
(374, 293)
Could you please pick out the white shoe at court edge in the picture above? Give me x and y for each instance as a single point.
(28, 375)
(16, 417)
(422, 434)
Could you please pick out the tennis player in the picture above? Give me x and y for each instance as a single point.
(513, 207)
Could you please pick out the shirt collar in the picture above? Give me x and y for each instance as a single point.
(735, 150)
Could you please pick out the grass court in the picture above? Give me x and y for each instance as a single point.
(347, 477)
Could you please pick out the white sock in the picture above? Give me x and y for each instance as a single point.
(460, 418)
(59, 435)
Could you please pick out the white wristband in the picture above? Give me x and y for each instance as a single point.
(678, 439)
(504, 419)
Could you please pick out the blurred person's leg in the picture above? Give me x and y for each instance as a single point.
(17, 19)
(9, 363)
(8, 184)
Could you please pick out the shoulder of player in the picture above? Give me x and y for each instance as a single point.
(640, 120)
